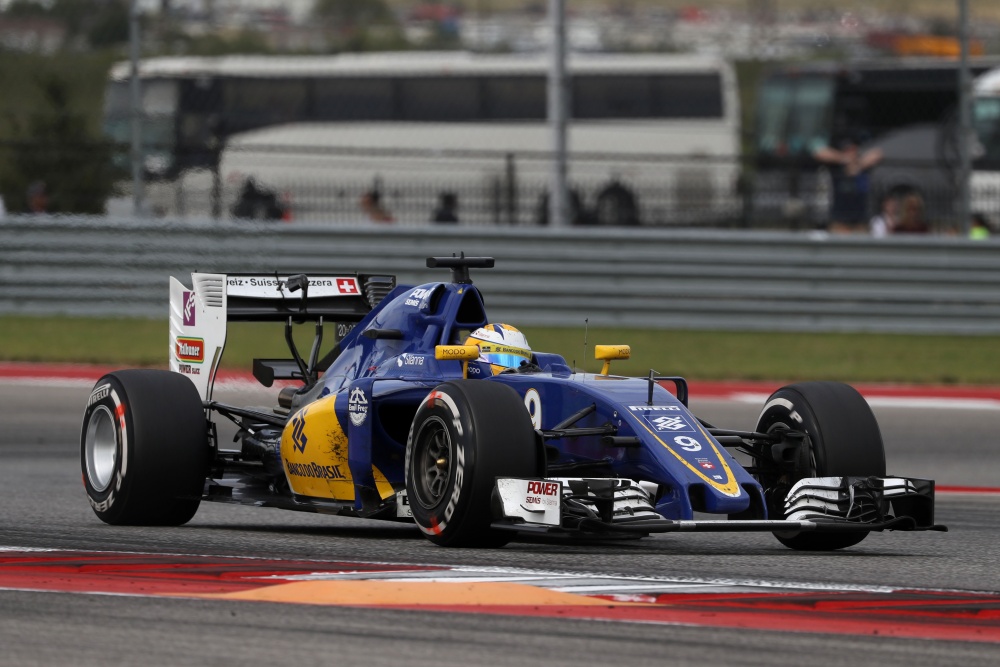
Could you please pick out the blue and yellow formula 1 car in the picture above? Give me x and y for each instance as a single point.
(426, 411)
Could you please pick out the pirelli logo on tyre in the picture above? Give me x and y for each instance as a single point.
(191, 350)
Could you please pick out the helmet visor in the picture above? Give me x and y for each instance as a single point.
(506, 360)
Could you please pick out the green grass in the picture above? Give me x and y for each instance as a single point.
(697, 355)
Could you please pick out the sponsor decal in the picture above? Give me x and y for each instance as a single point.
(190, 349)
(273, 287)
(543, 488)
(344, 329)
(416, 296)
(99, 394)
(456, 492)
(357, 406)
(299, 439)
(314, 470)
(188, 369)
(347, 286)
(435, 396)
(654, 408)
(452, 352)
(188, 308)
(541, 493)
(670, 423)
(436, 526)
(408, 359)
(706, 464)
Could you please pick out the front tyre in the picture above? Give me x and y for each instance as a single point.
(842, 440)
(465, 434)
(144, 448)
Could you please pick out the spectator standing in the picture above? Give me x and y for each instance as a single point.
(882, 223)
(849, 170)
(447, 209)
(38, 199)
(371, 204)
(980, 227)
(911, 216)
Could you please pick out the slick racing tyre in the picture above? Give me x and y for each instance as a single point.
(144, 448)
(842, 439)
(466, 433)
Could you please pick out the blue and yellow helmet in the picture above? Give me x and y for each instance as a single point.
(501, 346)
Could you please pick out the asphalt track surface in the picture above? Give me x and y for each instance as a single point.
(253, 586)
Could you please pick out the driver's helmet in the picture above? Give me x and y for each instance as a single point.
(501, 346)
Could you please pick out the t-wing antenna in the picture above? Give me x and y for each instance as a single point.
(460, 266)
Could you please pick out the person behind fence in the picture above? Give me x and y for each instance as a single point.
(911, 216)
(256, 202)
(849, 170)
(38, 198)
(979, 228)
(371, 204)
(447, 208)
(882, 222)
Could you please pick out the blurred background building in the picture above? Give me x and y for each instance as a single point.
(803, 73)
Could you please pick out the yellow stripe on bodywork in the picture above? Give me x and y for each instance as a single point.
(730, 488)
(318, 466)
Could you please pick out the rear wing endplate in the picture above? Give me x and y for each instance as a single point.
(199, 314)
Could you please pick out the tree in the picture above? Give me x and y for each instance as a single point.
(99, 22)
(54, 147)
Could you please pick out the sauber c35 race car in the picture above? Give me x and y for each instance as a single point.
(401, 420)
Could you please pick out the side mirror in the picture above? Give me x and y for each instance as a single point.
(607, 353)
(463, 353)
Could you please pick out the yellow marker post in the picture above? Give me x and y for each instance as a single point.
(608, 352)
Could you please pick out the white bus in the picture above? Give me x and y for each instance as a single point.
(652, 139)
(985, 182)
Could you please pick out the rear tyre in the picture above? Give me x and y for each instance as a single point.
(843, 439)
(144, 448)
(465, 434)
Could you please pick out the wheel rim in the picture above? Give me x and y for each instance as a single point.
(432, 462)
(101, 448)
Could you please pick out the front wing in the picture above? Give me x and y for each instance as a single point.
(625, 507)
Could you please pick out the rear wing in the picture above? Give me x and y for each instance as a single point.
(199, 314)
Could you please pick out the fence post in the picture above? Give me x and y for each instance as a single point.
(510, 181)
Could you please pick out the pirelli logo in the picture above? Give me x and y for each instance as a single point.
(191, 350)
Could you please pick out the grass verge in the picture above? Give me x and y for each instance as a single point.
(700, 355)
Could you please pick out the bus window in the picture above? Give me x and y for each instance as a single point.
(117, 100)
(251, 103)
(439, 99)
(666, 96)
(687, 96)
(353, 99)
(597, 97)
(809, 121)
(774, 105)
(514, 97)
(159, 98)
(986, 120)
(794, 115)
